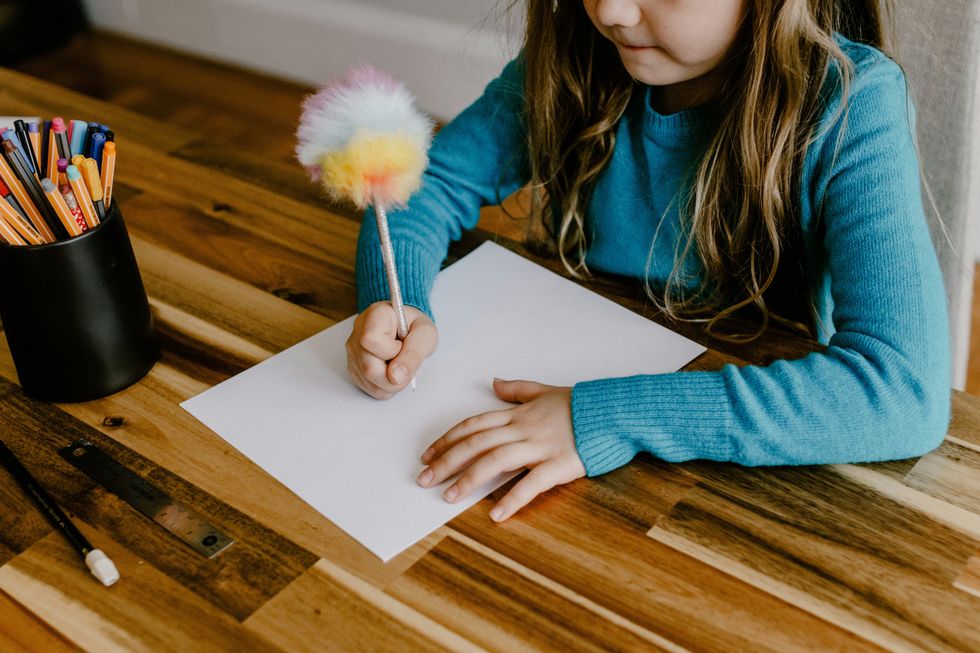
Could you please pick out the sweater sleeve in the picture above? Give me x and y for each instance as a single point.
(477, 159)
(881, 388)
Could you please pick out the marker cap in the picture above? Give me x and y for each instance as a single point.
(90, 172)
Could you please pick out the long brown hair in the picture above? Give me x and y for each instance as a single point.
(740, 213)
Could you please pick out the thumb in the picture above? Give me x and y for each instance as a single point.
(519, 392)
(418, 345)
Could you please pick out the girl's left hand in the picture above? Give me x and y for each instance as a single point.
(537, 434)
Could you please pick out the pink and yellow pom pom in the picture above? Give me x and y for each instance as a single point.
(364, 140)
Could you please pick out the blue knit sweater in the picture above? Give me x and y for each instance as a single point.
(881, 388)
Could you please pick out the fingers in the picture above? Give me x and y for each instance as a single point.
(379, 363)
(366, 370)
(519, 392)
(379, 332)
(506, 458)
(540, 479)
(537, 434)
(491, 420)
(418, 345)
(363, 368)
(464, 453)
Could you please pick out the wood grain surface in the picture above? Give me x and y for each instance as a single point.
(241, 259)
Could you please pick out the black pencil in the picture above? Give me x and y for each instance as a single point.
(97, 561)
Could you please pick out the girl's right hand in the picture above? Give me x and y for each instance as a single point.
(381, 364)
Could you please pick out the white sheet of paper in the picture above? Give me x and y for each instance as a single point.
(354, 459)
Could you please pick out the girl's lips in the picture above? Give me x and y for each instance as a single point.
(630, 46)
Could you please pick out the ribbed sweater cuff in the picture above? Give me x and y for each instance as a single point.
(417, 272)
(676, 417)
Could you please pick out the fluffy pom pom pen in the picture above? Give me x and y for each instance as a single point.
(365, 141)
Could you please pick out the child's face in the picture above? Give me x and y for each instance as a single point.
(663, 42)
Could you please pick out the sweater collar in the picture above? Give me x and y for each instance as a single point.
(681, 127)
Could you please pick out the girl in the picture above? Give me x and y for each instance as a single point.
(737, 157)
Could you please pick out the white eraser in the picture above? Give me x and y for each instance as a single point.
(102, 567)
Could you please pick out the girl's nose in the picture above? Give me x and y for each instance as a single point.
(618, 13)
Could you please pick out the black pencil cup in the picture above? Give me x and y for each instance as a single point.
(75, 314)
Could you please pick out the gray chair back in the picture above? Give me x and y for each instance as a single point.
(939, 47)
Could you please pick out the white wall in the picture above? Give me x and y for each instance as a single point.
(444, 50)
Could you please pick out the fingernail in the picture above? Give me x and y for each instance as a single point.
(427, 455)
(496, 513)
(451, 493)
(425, 477)
(398, 373)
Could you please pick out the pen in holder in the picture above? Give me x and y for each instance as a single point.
(76, 315)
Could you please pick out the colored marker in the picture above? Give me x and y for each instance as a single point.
(45, 137)
(98, 142)
(60, 207)
(9, 235)
(26, 194)
(17, 189)
(13, 138)
(61, 138)
(81, 194)
(90, 128)
(50, 152)
(72, 202)
(108, 171)
(110, 136)
(26, 147)
(97, 562)
(90, 173)
(77, 160)
(49, 225)
(78, 136)
(62, 169)
(21, 225)
(10, 199)
(34, 134)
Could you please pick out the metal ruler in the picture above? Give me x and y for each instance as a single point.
(184, 523)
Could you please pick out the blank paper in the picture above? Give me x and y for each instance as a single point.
(298, 415)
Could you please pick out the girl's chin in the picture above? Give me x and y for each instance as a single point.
(659, 73)
(656, 77)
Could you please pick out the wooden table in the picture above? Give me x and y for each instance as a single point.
(241, 258)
